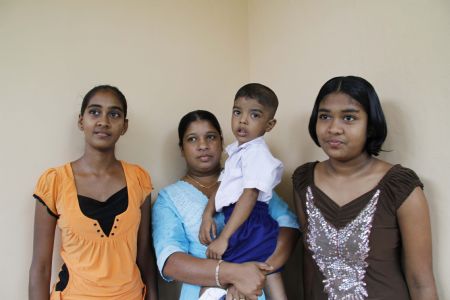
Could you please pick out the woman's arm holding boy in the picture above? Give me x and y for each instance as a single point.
(175, 262)
(289, 231)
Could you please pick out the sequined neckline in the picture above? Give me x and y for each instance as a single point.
(340, 254)
(365, 197)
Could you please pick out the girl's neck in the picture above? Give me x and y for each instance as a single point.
(349, 168)
(94, 161)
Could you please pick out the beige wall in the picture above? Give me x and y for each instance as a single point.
(401, 47)
(170, 57)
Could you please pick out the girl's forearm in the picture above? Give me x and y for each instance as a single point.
(422, 286)
(41, 264)
(424, 292)
(145, 255)
(39, 283)
(148, 271)
(287, 240)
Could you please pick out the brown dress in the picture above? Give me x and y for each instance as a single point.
(354, 251)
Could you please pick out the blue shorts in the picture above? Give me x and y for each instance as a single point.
(256, 239)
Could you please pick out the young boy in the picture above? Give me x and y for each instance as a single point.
(249, 176)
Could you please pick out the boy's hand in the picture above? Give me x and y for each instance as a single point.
(217, 248)
(207, 228)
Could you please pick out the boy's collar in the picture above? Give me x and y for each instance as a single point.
(233, 147)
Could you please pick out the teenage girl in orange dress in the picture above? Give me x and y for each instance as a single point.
(102, 208)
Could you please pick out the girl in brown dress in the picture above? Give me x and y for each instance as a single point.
(367, 230)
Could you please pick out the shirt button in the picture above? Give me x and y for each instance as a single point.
(102, 235)
(112, 233)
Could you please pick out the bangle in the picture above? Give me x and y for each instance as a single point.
(217, 274)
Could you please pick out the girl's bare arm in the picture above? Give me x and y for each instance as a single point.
(41, 264)
(145, 252)
(415, 228)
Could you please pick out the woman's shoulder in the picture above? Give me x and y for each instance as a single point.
(177, 185)
(174, 191)
(303, 175)
(182, 198)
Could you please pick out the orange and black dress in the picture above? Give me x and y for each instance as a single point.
(98, 239)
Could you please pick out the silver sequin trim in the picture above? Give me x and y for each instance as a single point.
(341, 253)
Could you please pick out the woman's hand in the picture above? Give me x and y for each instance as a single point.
(217, 248)
(247, 278)
(208, 230)
(233, 294)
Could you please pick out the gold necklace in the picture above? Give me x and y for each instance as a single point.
(207, 187)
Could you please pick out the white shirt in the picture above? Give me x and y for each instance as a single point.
(250, 165)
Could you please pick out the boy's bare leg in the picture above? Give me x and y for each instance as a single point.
(274, 288)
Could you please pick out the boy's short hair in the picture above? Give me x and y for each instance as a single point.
(261, 93)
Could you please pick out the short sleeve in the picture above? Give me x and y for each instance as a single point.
(303, 175)
(280, 212)
(399, 184)
(169, 235)
(260, 169)
(46, 190)
(145, 182)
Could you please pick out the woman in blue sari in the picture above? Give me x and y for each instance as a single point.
(177, 217)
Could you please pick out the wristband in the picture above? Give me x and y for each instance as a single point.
(217, 274)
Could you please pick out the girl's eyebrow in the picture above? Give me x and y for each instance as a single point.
(351, 110)
(116, 107)
(347, 110)
(99, 106)
(94, 105)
